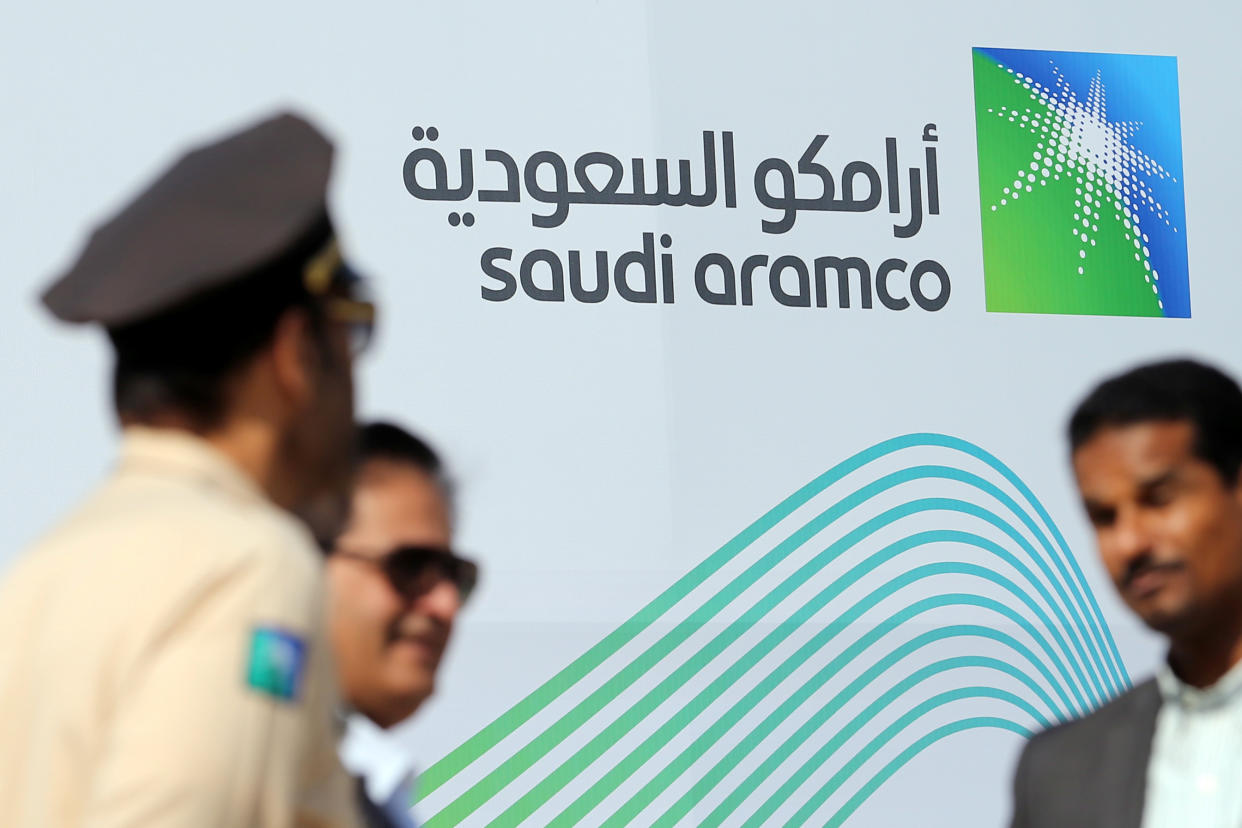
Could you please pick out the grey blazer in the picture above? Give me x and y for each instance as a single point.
(373, 816)
(1089, 773)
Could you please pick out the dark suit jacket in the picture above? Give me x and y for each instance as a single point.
(373, 816)
(1091, 772)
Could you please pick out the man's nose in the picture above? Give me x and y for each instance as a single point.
(442, 601)
(1132, 535)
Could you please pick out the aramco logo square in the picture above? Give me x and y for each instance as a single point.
(1080, 183)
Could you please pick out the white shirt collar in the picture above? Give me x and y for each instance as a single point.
(1226, 691)
(373, 754)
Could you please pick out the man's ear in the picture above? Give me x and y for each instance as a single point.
(292, 357)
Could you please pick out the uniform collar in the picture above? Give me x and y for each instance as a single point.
(379, 759)
(1226, 691)
(186, 454)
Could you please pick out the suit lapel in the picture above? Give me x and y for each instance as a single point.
(1127, 752)
(372, 815)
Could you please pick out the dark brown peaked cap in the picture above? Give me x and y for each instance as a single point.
(221, 211)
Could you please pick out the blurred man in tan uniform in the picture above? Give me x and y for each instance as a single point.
(163, 660)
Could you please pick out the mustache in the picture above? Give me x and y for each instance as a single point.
(1144, 565)
(422, 627)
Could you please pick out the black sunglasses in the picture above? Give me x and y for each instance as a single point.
(415, 570)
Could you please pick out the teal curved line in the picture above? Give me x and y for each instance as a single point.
(763, 814)
(505, 724)
(873, 784)
(998, 494)
(822, 717)
(682, 807)
(966, 507)
(752, 740)
(526, 756)
(1098, 625)
(729, 806)
(645, 751)
(547, 787)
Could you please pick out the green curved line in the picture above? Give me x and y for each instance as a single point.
(680, 809)
(505, 724)
(538, 747)
(468, 802)
(873, 784)
(752, 740)
(800, 739)
(645, 751)
(755, 738)
(547, 787)
(764, 812)
(534, 702)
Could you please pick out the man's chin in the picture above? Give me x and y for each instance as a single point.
(394, 709)
(414, 651)
(411, 688)
(397, 698)
(1170, 621)
(409, 702)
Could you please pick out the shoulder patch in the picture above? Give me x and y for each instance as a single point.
(276, 663)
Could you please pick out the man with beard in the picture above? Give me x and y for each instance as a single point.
(1157, 454)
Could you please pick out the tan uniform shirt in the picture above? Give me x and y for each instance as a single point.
(163, 660)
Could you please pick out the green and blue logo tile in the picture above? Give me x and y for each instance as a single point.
(1080, 183)
(276, 663)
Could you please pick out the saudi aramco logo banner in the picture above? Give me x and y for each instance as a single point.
(1080, 183)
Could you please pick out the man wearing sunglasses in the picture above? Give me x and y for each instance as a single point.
(163, 657)
(395, 588)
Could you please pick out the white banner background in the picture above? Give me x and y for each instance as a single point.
(605, 450)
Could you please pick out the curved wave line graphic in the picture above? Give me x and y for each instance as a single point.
(822, 716)
(608, 735)
(750, 742)
(1074, 666)
(914, 750)
(952, 695)
(735, 799)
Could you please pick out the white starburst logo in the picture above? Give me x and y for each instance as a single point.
(1075, 138)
